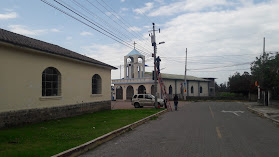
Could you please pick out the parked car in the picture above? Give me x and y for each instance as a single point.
(140, 100)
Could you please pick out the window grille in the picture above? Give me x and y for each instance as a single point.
(96, 84)
(51, 82)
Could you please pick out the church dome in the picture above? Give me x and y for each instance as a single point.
(134, 52)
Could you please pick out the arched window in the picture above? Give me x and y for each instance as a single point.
(192, 89)
(140, 60)
(200, 89)
(141, 89)
(170, 89)
(96, 84)
(51, 82)
(129, 92)
(129, 60)
(119, 92)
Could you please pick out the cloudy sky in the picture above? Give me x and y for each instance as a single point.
(221, 36)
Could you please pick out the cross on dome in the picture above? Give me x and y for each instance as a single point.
(135, 45)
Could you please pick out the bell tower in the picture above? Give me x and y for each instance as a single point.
(134, 64)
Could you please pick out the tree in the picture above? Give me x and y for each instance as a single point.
(221, 88)
(241, 83)
(265, 71)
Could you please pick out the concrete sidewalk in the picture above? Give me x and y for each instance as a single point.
(269, 112)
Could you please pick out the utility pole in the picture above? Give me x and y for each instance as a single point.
(155, 77)
(263, 45)
(153, 41)
(185, 81)
(120, 71)
(266, 91)
(259, 89)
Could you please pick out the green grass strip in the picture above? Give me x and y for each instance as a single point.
(52, 137)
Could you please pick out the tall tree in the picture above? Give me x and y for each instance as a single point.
(241, 83)
(222, 87)
(265, 70)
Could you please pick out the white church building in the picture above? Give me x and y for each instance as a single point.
(137, 81)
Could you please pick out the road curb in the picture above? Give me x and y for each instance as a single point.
(262, 114)
(102, 139)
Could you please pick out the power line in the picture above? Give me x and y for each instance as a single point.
(246, 63)
(119, 17)
(90, 12)
(83, 22)
(224, 70)
(162, 52)
(107, 33)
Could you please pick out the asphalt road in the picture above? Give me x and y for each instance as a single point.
(199, 129)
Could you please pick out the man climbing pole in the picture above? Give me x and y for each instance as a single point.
(158, 60)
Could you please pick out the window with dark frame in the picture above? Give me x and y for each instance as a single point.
(200, 89)
(192, 89)
(96, 84)
(50, 82)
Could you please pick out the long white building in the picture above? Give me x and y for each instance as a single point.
(136, 80)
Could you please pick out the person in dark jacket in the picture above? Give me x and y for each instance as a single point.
(175, 99)
(158, 60)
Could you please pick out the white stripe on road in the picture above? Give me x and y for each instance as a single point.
(234, 112)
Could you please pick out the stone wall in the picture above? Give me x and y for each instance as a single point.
(14, 118)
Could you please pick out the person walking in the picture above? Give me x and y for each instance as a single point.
(175, 99)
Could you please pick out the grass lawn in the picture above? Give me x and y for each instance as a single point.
(52, 137)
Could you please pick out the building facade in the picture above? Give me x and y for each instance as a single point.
(136, 80)
(41, 81)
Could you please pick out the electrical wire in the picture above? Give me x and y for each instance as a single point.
(116, 16)
(98, 29)
(122, 20)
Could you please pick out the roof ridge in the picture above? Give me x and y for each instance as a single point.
(29, 37)
(179, 77)
(25, 41)
(171, 74)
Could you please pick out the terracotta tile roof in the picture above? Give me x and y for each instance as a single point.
(20, 40)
